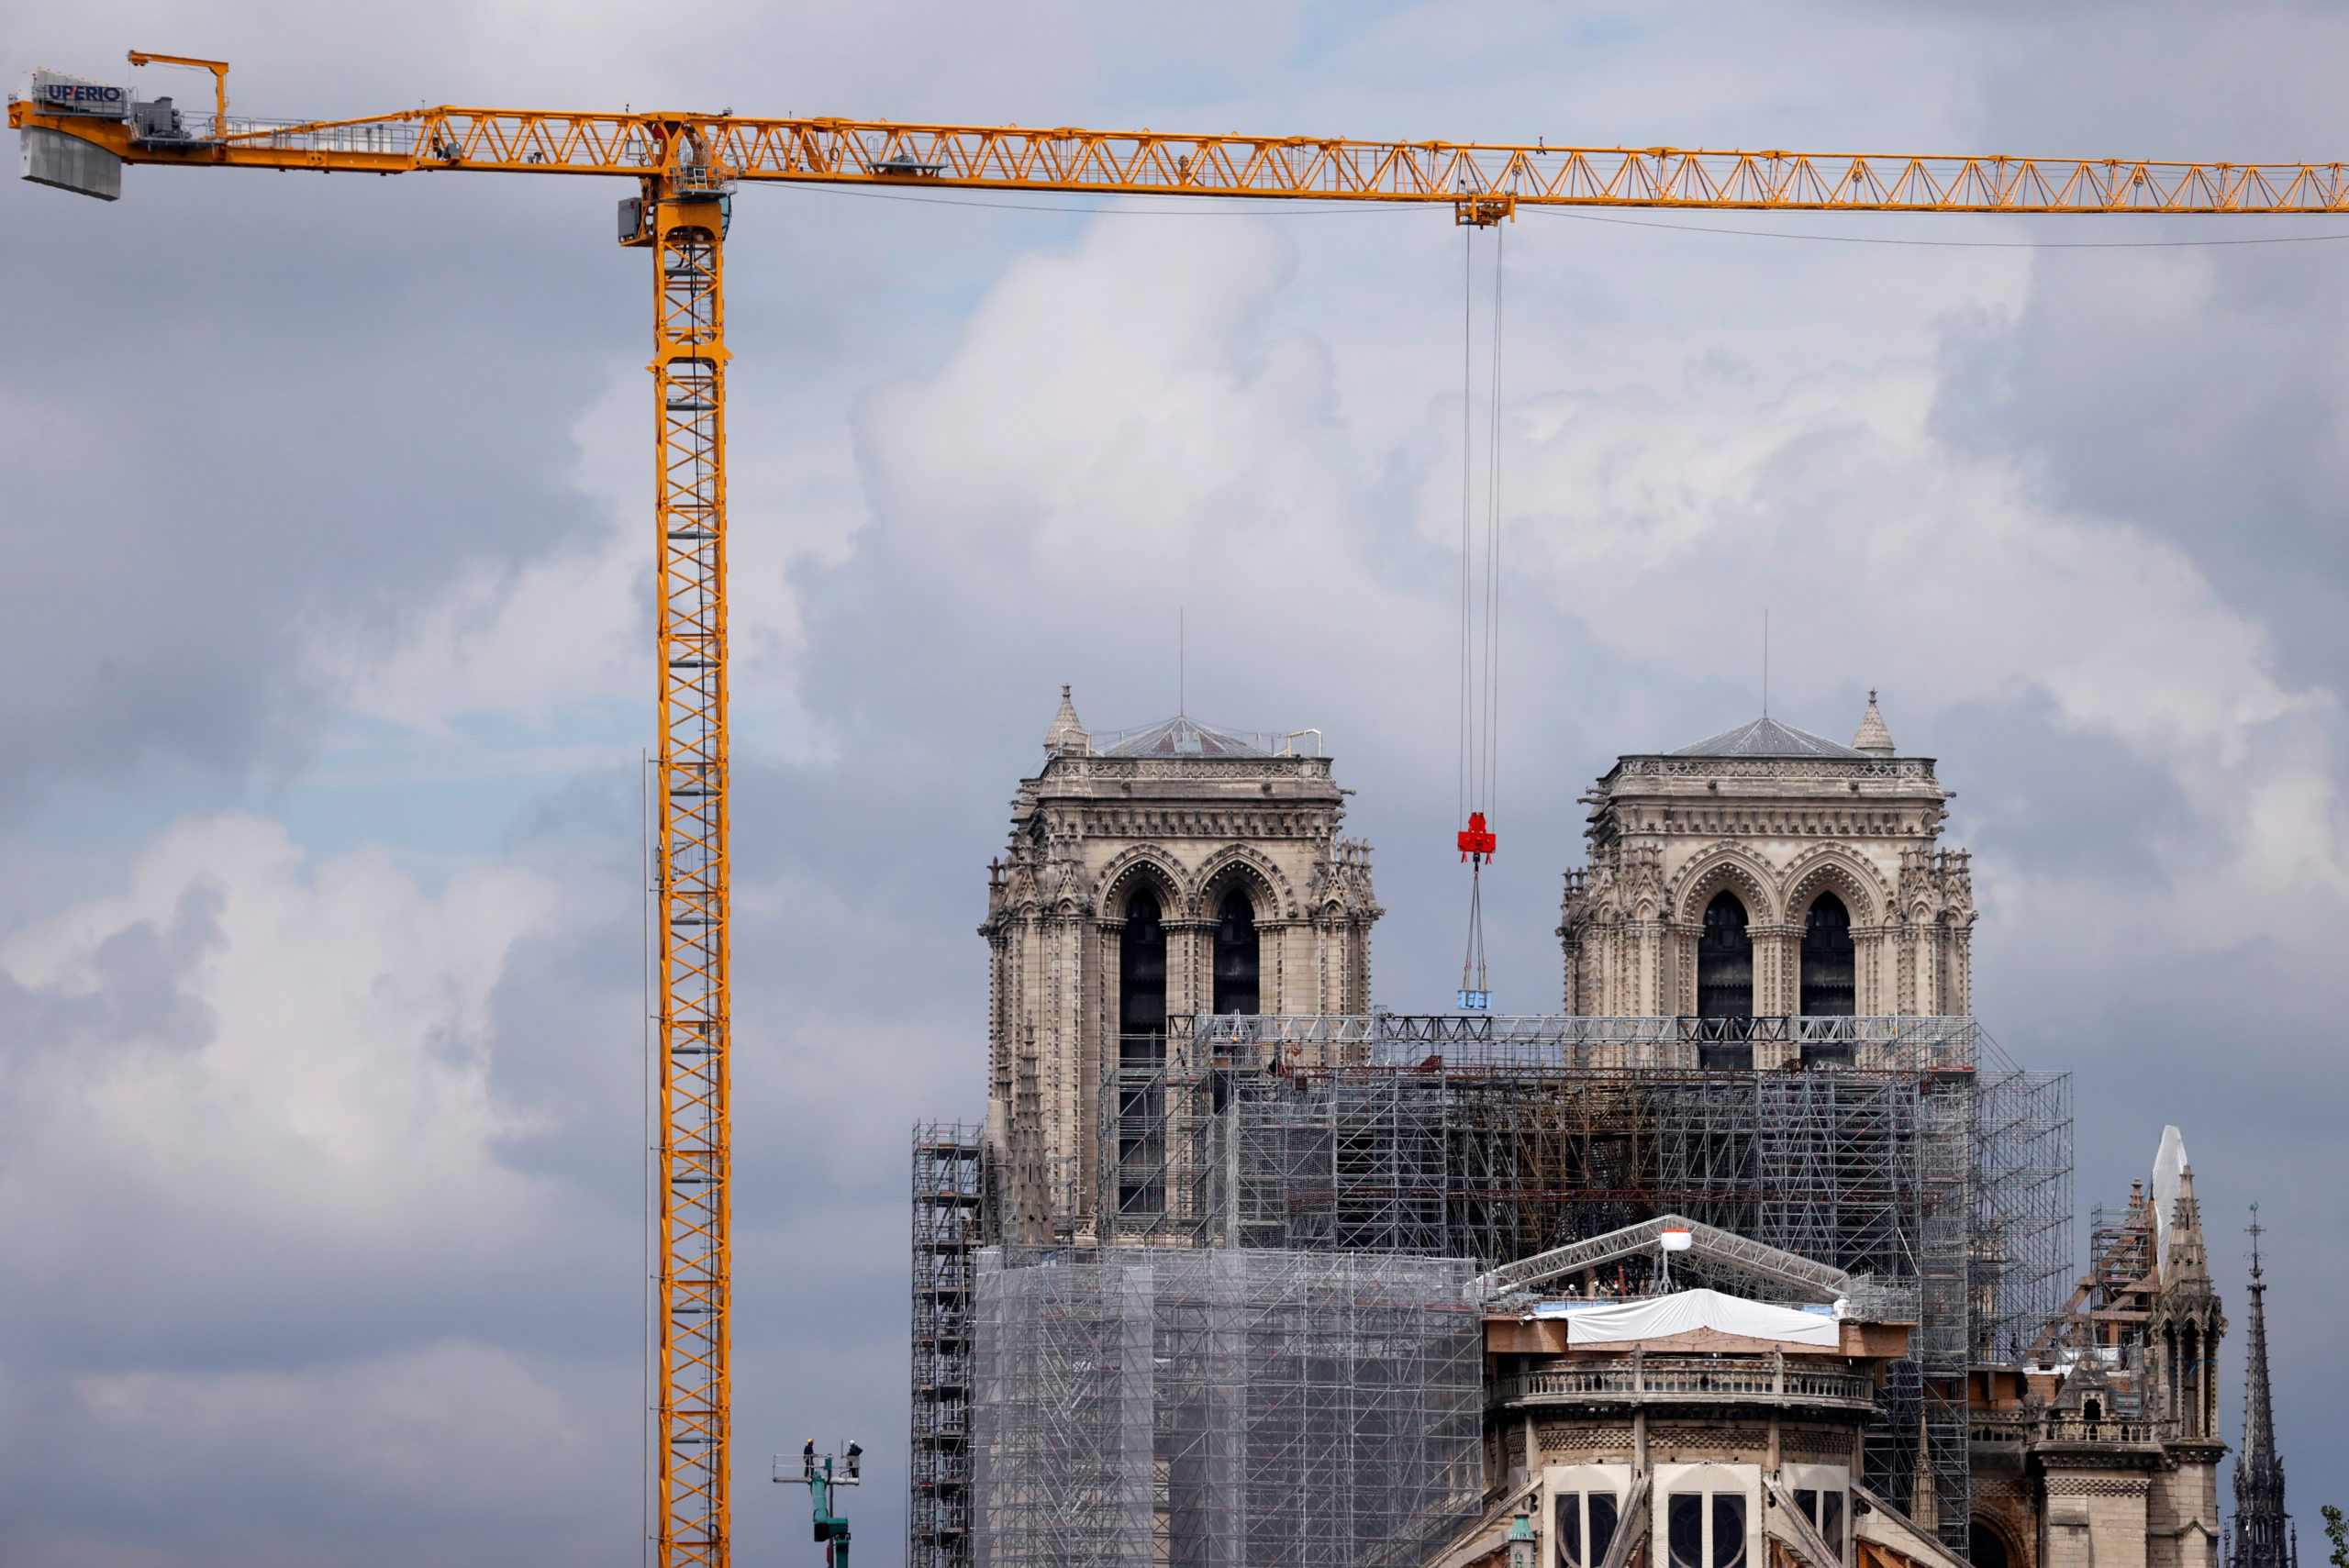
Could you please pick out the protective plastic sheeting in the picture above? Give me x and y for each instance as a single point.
(1683, 1312)
(1221, 1408)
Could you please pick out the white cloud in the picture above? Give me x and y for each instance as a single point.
(1150, 417)
(1920, 568)
(254, 1053)
(529, 644)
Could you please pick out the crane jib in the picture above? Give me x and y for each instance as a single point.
(1459, 174)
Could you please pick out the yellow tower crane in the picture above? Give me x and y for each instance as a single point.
(78, 134)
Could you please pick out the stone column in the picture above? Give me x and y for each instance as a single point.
(1872, 968)
(1669, 997)
(1767, 955)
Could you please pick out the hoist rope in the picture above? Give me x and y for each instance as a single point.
(1467, 509)
(1480, 762)
(1493, 551)
(1476, 991)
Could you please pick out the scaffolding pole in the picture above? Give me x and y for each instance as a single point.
(949, 1196)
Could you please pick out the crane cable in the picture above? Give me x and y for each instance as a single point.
(1479, 633)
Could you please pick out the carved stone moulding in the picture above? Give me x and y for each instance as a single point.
(1899, 768)
(2098, 1485)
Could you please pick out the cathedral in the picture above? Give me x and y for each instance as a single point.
(1753, 1250)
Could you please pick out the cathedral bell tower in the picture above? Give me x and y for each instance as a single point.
(1162, 873)
(1766, 873)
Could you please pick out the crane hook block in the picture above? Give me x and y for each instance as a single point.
(1476, 840)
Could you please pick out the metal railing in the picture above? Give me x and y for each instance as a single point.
(1892, 1043)
(2021, 1429)
(1687, 1380)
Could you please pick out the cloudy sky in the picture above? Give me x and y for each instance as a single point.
(326, 619)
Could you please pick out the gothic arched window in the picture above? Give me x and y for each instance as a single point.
(1142, 981)
(1827, 962)
(1236, 965)
(1725, 960)
(1141, 1048)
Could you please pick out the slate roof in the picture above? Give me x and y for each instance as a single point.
(1184, 738)
(1768, 737)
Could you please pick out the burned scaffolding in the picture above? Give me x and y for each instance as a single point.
(1905, 1149)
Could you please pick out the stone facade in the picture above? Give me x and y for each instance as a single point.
(1190, 814)
(1703, 1448)
(1761, 874)
(2101, 1449)
(1775, 817)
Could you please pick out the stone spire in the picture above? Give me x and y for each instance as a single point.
(1924, 1503)
(2186, 1263)
(1874, 738)
(2187, 1319)
(1066, 734)
(2263, 1531)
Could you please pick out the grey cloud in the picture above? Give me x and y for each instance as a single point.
(134, 1001)
(2180, 393)
(2071, 807)
(234, 426)
(395, 369)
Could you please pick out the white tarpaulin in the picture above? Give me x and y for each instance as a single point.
(2169, 1168)
(1661, 1317)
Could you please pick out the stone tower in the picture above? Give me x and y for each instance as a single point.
(1766, 873)
(2184, 1331)
(2263, 1530)
(1168, 872)
(2182, 1338)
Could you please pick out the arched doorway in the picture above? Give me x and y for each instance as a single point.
(1827, 966)
(1985, 1547)
(1237, 962)
(1725, 960)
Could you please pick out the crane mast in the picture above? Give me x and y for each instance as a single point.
(682, 219)
(78, 134)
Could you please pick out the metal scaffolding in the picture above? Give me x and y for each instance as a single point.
(949, 1181)
(2022, 1208)
(1906, 1150)
(1496, 1138)
(1222, 1408)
